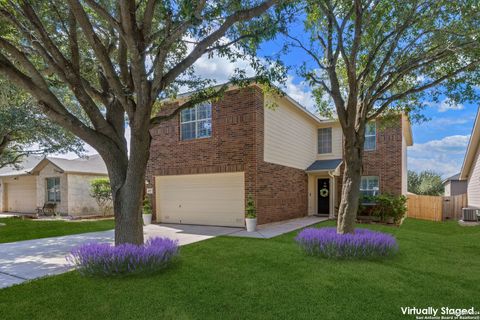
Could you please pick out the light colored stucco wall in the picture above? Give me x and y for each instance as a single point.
(2, 195)
(80, 202)
(290, 135)
(51, 171)
(447, 190)
(474, 183)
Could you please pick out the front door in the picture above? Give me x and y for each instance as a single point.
(323, 196)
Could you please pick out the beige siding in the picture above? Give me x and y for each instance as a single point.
(337, 142)
(19, 194)
(447, 186)
(209, 199)
(474, 183)
(80, 202)
(51, 171)
(290, 135)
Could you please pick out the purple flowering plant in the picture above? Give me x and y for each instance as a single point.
(103, 259)
(364, 243)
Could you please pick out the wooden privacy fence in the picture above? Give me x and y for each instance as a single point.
(436, 208)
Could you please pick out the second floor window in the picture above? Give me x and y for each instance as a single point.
(53, 189)
(325, 140)
(370, 136)
(196, 122)
(369, 186)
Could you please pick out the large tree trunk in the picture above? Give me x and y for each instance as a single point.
(127, 178)
(353, 154)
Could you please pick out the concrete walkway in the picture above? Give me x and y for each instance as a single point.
(26, 260)
(270, 230)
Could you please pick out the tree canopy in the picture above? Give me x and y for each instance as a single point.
(428, 183)
(91, 65)
(24, 130)
(374, 58)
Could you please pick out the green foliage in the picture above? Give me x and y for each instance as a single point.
(250, 210)
(427, 183)
(406, 52)
(384, 206)
(101, 191)
(390, 206)
(24, 130)
(147, 206)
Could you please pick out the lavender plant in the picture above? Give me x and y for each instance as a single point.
(364, 243)
(106, 260)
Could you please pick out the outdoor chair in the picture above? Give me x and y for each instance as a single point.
(48, 209)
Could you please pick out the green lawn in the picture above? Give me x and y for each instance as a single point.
(16, 229)
(240, 278)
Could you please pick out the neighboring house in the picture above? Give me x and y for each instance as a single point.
(54, 180)
(454, 186)
(207, 160)
(471, 166)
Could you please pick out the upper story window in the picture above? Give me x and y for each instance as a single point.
(196, 122)
(325, 140)
(53, 189)
(369, 186)
(370, 136)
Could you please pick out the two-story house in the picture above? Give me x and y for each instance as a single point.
(205, 162)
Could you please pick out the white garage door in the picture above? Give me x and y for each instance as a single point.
(21, 195)
(209, 199)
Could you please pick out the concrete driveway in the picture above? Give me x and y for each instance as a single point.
(31, 259)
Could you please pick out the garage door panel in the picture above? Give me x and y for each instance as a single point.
(211, 199)
(21, 195)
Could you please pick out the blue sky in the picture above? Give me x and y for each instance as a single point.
(439, 144)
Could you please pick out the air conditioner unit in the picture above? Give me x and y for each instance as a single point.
(470, 214)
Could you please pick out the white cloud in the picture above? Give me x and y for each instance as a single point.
(442, 122)
(446, 105)
(444, 156)
(221, 69)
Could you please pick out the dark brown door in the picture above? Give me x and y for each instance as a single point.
(323, 196)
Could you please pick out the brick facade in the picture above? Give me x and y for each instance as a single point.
(236, 144)
(385, 161)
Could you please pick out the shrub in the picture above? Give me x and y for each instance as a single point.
(384, 205)
(388, 205)
(106, 260)
(250, 210)
(364, 243)
(147, 206)
(102, 193)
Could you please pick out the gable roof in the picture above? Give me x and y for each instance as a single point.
(33, 164)
(472, 149)
(23, 168)
(455, 177)
(406, 125)
(89, 165)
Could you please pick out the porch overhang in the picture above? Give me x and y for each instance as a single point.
(325, 166)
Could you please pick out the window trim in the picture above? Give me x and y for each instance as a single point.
(369, 177)
(371, 135)
(331, 141)
(196, 121)
(59, 192)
